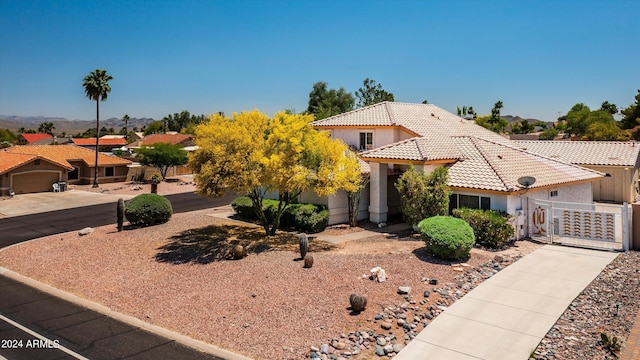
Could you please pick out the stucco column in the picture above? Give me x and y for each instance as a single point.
(378, 193)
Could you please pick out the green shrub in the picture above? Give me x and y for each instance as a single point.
(309, 218)
(148, 209)
(491, 228)
(423, 196)
(447, 237)
(244, 208)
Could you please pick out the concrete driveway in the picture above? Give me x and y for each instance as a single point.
(25, 204)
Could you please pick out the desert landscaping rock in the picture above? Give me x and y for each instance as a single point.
(85, 231)
(404, 290)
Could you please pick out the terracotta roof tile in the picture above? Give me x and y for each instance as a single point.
(62, 154)
(101, 141)
(617, 153)
(10, 161)
(494, 166)
(164, 138)
(417, 149)
(36, 137)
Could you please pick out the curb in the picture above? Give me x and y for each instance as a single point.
(182, 339)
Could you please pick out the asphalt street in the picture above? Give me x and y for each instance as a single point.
(17, 229)
(37, 325)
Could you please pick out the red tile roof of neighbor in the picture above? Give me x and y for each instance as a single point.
(62, 154)
(101, 142)
(35, 137)
(164, 138)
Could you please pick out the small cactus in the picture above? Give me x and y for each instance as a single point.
(238, 252)
(358, 303)
(308, 261)
(120, 213)
(304, 245)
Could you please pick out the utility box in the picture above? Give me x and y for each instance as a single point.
(635, 236)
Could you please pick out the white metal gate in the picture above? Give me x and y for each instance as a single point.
(597, 226)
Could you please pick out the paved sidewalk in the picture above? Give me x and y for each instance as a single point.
(507, 315)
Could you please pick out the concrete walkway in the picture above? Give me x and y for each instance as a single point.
(507, 315)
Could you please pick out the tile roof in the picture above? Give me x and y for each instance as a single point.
(10, 161)
(62, 154)
(36, 137)
(101, 141)
(485, 160)
(425, 120)
(416, 149)
(489, 165)
(164, 138)
(617, 153)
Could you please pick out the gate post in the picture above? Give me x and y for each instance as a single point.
(550, 222)
(626, 238)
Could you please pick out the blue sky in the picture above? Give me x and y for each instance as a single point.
(538, 57)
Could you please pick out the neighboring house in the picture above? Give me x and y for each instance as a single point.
(30, 139)
(183, 140)
(186, 141)
(484, 167)
(105, 143)
(618, 160)
(34, 168)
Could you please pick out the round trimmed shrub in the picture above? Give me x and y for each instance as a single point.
(148, 209)
(447, 237)
(491, 228)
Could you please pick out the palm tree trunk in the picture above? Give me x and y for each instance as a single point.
(95, 172)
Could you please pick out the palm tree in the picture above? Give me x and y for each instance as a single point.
(96, 87)
(126, 118)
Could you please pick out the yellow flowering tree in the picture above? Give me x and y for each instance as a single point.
(253, 154)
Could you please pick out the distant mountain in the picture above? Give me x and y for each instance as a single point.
(511, 118)
(70, 127)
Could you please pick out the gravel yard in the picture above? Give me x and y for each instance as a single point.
(267, 306)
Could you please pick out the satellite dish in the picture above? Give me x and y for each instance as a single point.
(526, 181)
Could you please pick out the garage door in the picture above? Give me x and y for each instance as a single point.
(34, 182)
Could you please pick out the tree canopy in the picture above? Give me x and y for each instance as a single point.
(631, 114)
(372, 93)
(254, 154)
(46, 127)
(181, 121)
(163, 156)
(324, 102)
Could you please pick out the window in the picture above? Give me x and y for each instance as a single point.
(366, 140)
(36, 162)
(554, 193)
(73, 175)
(469, 201)
(109, 171)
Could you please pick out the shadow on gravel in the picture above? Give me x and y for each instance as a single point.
(216, 243)
(424, 255)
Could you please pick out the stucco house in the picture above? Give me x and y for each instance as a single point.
(484, 167)
(186, 141)
(618, 160)
(105, 143)
(34, 168)
(29, 139)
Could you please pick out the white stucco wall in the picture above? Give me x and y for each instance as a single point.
(381, 136)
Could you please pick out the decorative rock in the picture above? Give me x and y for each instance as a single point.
(397, 347)
(308, 261)
(381, 341)
(85, 231)
(388, 349)
(386, 325)
(326, 349)
(404, 290)
(426, 293)
(498, 258)
(401, 322)
(358, 303)
(314, 349)
(339, 345)
(433, 281)
(380, 351)
(238, 252)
